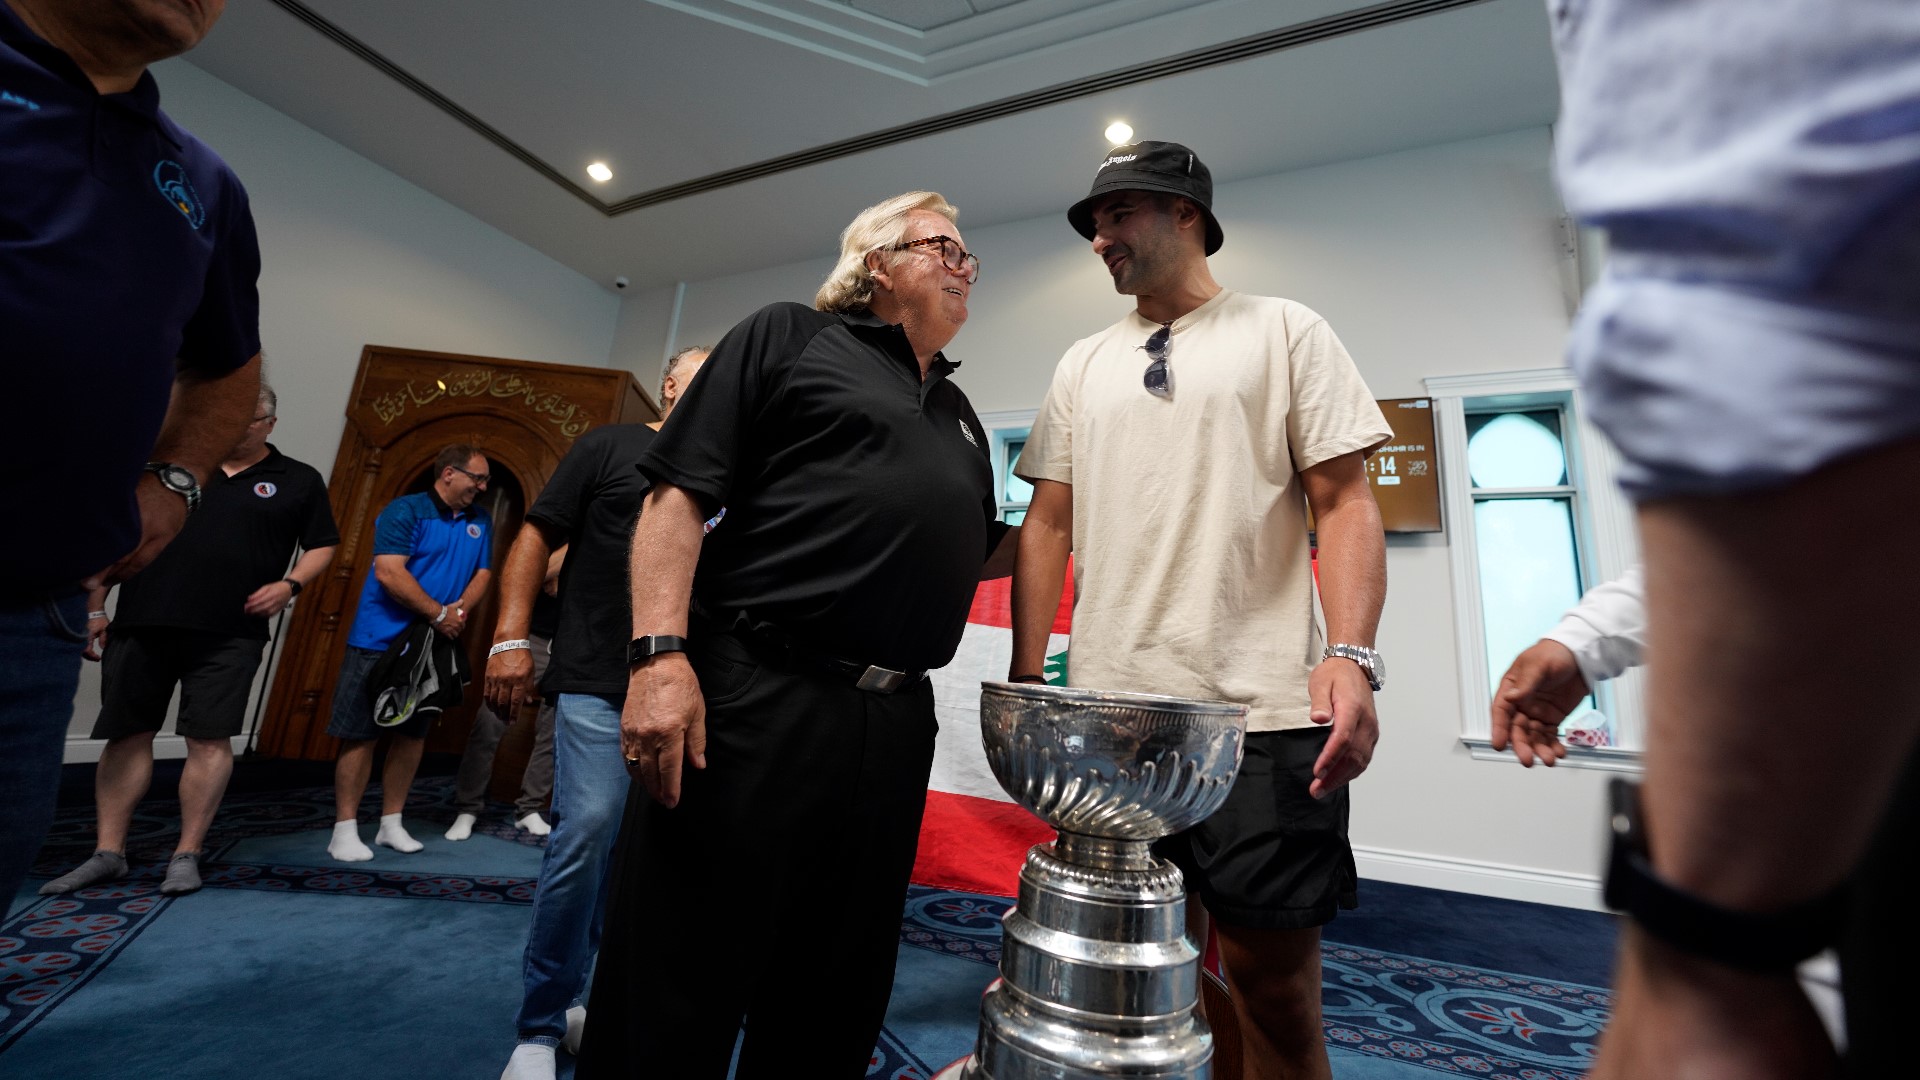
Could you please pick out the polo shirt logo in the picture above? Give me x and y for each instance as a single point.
(264, 489)
(473, 530)
(968, 432)
(171, 178)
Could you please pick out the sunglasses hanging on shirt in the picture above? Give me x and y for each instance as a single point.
(1159, 347)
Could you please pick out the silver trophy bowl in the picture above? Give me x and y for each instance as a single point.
(1097, 976)
(1109, 765)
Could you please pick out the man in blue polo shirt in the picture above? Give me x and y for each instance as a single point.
(431, 558)
(128, 265)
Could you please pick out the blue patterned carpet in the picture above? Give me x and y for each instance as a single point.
(408, 966)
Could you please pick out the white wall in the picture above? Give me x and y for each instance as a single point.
(353, 255)
(1441, 260)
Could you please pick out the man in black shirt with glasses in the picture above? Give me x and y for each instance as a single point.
(197, 619)
(783, 734)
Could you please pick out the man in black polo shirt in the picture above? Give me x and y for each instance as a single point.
(127, 282)
(197, 618)
(859, 514)
(587, 509)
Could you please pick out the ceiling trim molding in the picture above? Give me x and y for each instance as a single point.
(1246, 48)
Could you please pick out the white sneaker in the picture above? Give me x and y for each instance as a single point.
(462, 827)
(534, 824)
(530, 1061)
(576, 1030)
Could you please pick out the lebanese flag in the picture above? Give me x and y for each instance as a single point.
(974, 838)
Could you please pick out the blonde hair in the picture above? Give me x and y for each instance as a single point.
(850, 286)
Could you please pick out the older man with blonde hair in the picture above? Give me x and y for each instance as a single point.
(777, 711)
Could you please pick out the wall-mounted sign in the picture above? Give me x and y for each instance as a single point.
(1405, 473)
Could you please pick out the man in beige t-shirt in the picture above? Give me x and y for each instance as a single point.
(1175, 456)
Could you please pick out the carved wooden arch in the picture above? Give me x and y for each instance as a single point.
(406, 405)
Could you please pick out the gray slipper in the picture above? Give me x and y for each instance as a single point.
(100, 866)
(183, 875)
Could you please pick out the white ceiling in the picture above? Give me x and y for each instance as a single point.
(672, 91)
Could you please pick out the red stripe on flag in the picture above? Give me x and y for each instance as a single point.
(993, 604)
(974, 844)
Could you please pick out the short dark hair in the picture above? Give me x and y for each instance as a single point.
(455, 456)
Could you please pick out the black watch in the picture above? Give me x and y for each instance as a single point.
(646, 648)
(294, 585)
(1770, 942)
(177, 479)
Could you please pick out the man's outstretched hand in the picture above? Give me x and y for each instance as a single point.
(1534, 696)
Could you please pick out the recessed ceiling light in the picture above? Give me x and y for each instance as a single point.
(599, 171)
(1118, 132)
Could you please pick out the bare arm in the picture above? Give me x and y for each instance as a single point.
(1046, 540)
(273, 597)
(1353, 588)
(475, 591)
(664, 721)
(509, 679)
(206, 419)
(392, 574)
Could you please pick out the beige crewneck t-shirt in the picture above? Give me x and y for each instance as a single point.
(1192, 574)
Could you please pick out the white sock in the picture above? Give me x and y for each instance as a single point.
(534, 824)
(462, 827)
(576, 1029)
(530, 1061)
(345, 845)
(394, 835)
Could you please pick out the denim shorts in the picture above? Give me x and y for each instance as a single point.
(353, 701)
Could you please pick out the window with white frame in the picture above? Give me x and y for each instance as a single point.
(1007, 436)
(1534, 520)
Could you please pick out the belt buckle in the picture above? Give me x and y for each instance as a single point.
(880, 680)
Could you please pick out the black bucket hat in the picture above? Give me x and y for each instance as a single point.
(1151, 166)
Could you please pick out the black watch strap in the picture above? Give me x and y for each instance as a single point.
(1751, 941)
(292, 584)
(645, 648)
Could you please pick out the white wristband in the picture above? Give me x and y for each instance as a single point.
(442, 617)
(91, 615)
(509, 646)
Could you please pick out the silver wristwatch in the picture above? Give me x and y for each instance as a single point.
(1368, 659)
(177, 479)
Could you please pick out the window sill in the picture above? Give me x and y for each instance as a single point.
(1606, 759)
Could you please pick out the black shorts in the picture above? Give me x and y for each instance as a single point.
(140, 668)
(1272, 857)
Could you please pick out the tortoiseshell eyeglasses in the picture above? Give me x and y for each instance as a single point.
(952, 254)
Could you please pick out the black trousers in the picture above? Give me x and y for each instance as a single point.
(773, 893)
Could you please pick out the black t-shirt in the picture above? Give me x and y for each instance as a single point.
(241, 537)
(593, 498)
(859, 498)
(546, 615)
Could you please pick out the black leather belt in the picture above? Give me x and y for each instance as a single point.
(776, 647)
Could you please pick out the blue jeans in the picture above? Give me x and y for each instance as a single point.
(589, 794)
(41, 641)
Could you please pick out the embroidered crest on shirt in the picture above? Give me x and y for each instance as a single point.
(968, 432)
(264, 489)
(474, 531)
(171, 178)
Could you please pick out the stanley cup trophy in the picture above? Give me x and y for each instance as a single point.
(1097, 977)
